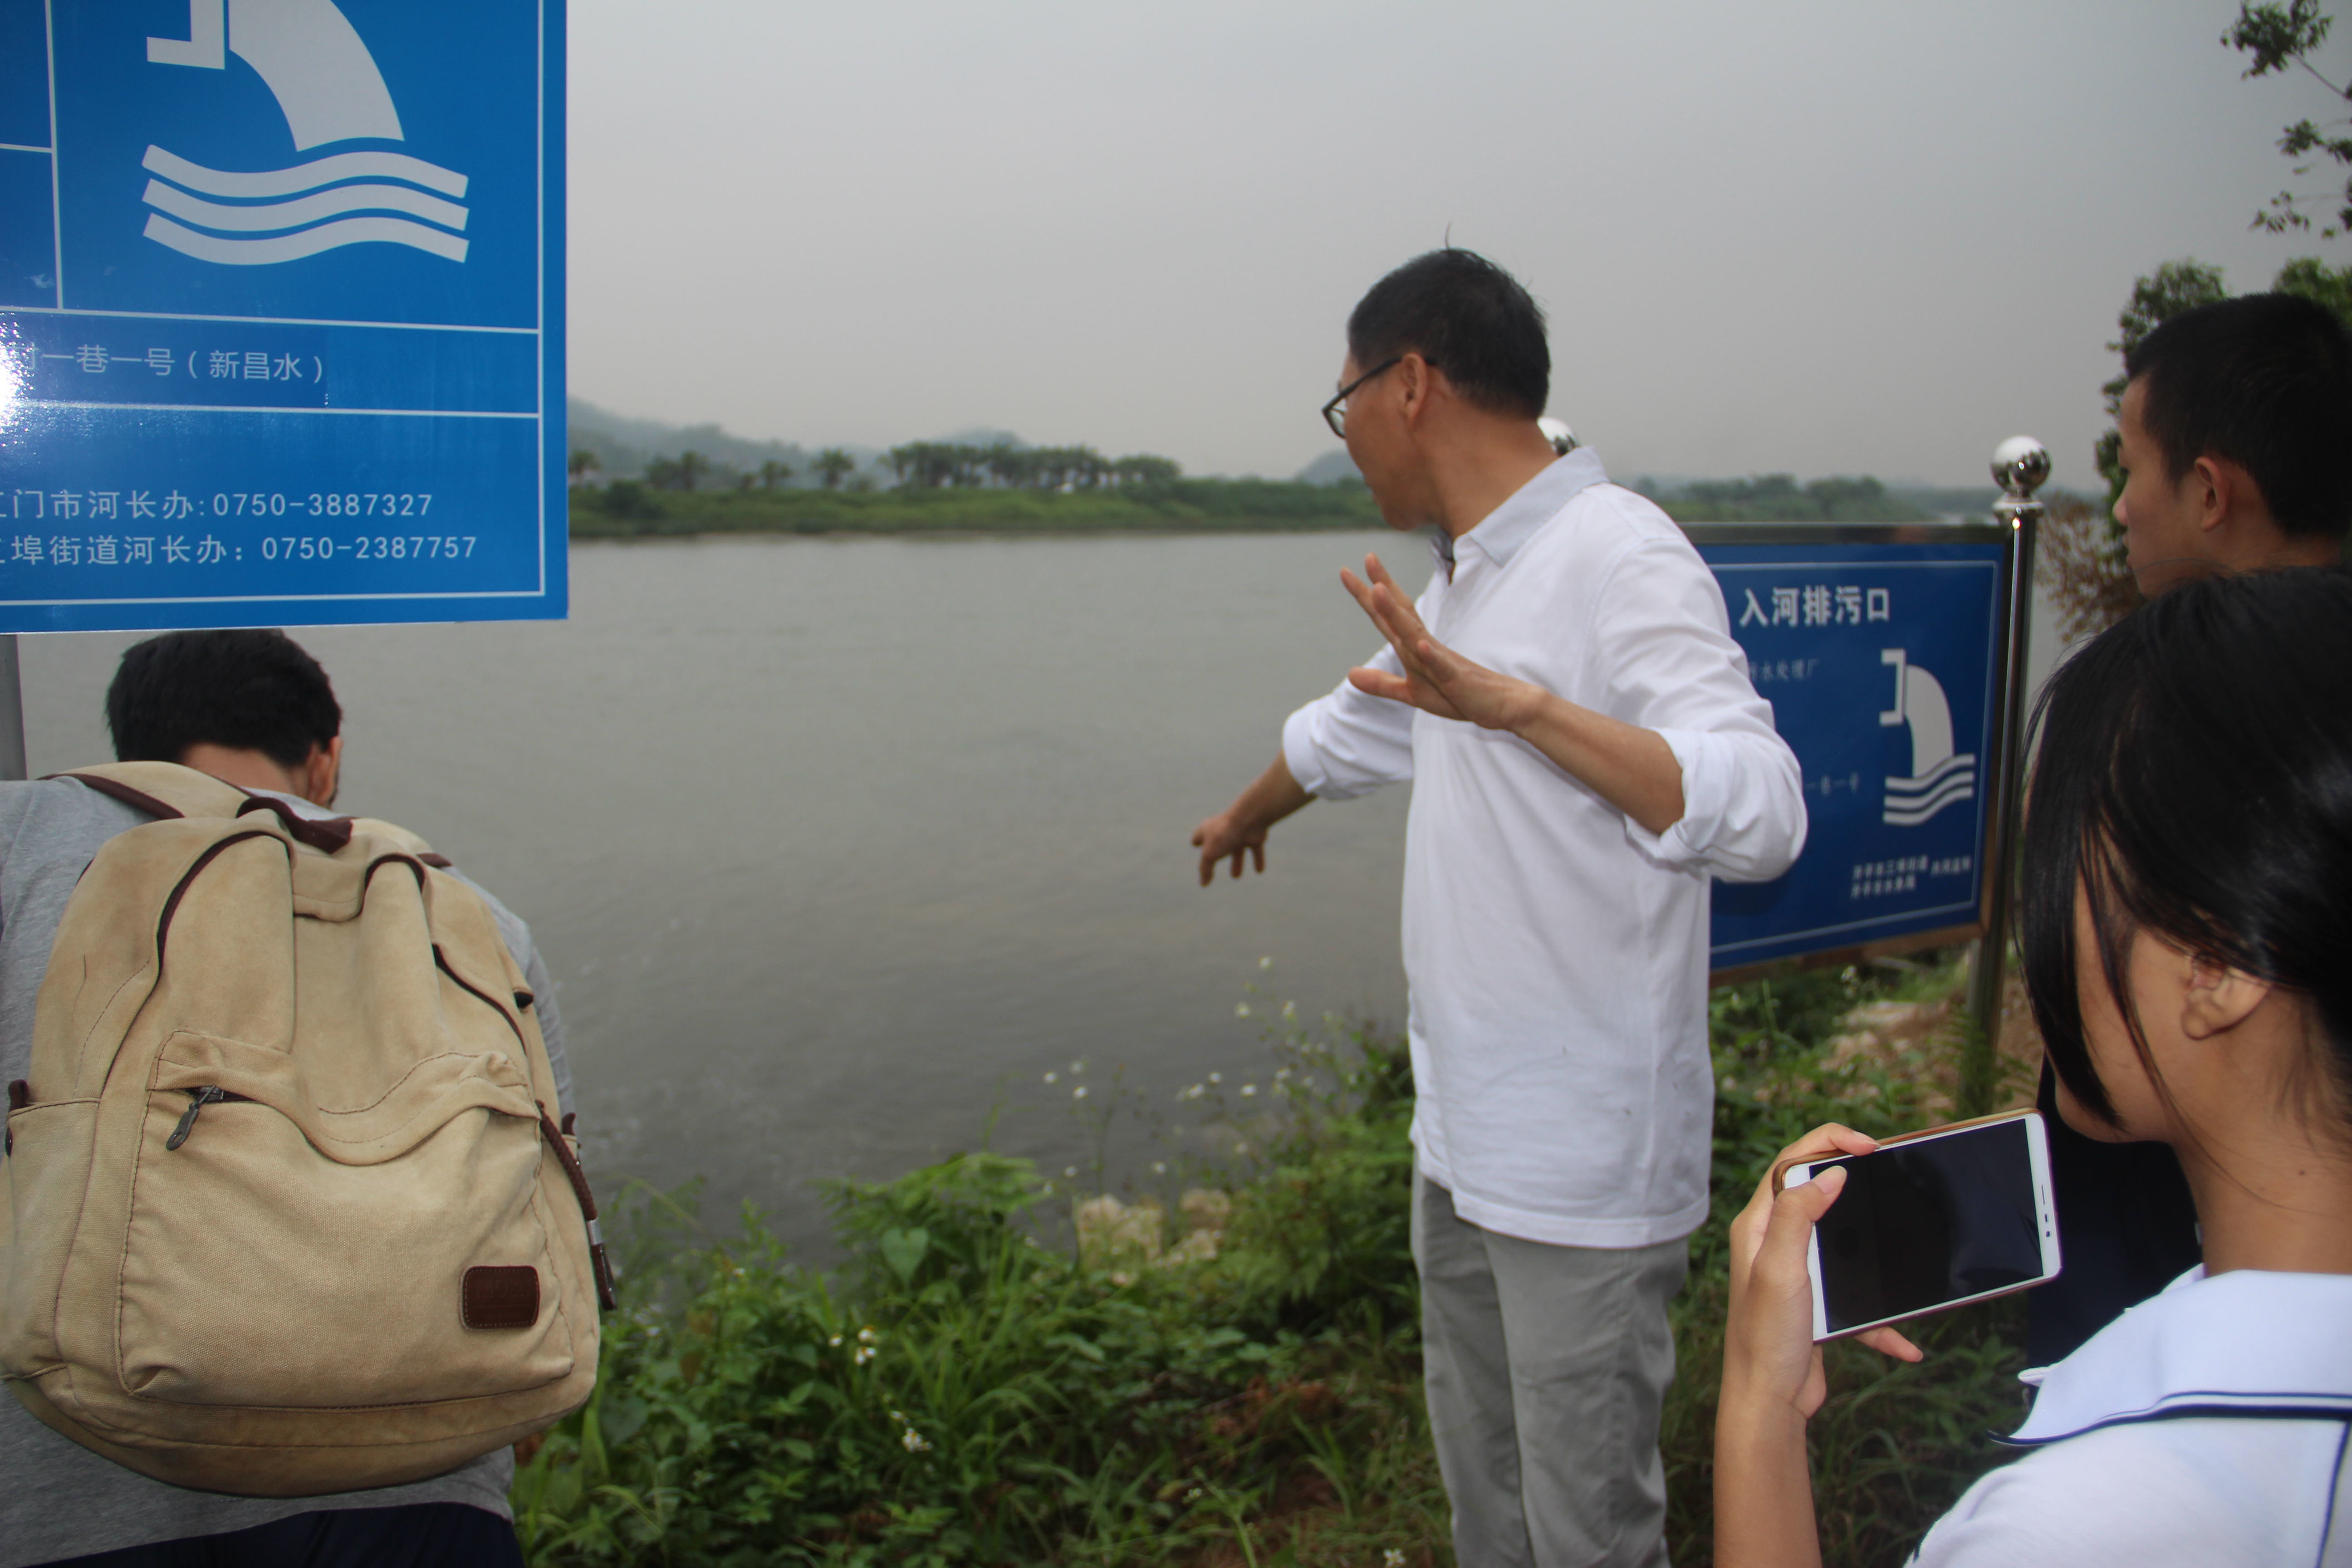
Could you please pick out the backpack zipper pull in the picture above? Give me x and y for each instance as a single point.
(199, 1099)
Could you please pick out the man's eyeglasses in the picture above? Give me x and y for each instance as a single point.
(1335, 413)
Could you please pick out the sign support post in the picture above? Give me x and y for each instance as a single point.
(2020, 464)
(12, 711)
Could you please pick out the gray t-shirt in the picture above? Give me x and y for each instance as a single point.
(58, 1499)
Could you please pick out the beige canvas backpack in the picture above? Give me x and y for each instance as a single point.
(282, 1211)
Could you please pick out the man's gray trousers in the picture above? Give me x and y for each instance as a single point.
(1545, 1369)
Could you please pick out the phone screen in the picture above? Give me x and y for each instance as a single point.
(1922, 1224)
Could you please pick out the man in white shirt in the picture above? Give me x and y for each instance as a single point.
(1587, 752)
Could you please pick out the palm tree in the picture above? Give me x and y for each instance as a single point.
(774, 473)
(833, 465)
(584, 463)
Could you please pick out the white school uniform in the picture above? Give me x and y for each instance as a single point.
(2210, 1426)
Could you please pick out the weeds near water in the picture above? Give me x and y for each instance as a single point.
(959, 1393)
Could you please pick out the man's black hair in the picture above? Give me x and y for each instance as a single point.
(2264, 381)
(250, 690)
(1468, 318)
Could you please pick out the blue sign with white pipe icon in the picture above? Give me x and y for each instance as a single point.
(1884, 665)
(280, 313)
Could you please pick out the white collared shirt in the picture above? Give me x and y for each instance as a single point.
(2207, 1426)
(1557, 951)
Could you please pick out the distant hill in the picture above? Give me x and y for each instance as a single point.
(1330, 469)
(624, 447)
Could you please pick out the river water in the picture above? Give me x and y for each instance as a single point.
(834, 845)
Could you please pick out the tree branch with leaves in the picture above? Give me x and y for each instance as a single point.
(2279, 37)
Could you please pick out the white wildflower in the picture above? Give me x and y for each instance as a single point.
(1216, 1077)
(1078, 1067)
(1079, 1092)
(914, 1442)
(1392, 1558)
(1053, 1078)
(1290, 1009)
(1265, 963)
(1248, 1090)
(1159, 1167)
(861, 1355)
(1241, 1009)
(835, 1341)
(1070, 1171)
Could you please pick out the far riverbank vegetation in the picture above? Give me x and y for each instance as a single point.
(1008, 488)
(1218, 1363)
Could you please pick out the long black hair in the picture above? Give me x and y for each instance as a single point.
(2195, 781)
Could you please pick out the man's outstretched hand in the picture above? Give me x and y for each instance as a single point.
(1237, 834)
(1225, 836)
(1436, 679)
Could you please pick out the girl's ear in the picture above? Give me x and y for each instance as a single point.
(2217, 998)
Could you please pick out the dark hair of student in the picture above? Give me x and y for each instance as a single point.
(1468, 318)
(2195, 780)
(2265, 381)
(250, 690)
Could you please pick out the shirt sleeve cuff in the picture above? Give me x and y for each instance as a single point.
(1304, 757)
(1674, 849)
(1739, 828)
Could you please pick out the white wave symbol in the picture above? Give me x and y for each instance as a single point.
(284, 214)
(1910, 802)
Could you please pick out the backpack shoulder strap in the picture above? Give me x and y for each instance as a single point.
(379, 828)
(167, 790)
(161, 789)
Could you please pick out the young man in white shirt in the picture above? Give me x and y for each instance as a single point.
(1587, 752)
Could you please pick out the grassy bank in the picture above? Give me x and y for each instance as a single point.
(1232, 1379)
(626, 509)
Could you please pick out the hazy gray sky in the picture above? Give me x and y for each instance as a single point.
(1826, 235)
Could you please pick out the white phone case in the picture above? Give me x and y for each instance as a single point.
(2045, 1217)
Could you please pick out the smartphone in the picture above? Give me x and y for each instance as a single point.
(1932, 1220)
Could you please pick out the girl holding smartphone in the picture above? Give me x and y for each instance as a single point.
(2186, 930)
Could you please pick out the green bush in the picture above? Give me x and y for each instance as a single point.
(960, 1392)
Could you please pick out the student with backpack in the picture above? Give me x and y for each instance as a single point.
(296, 1244)
(2186, 907)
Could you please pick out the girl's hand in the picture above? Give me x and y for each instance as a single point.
(1770, 1362)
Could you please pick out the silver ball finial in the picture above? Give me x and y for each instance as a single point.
(2020, 464)
(1556, 431)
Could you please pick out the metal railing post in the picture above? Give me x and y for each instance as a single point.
(2020, 464)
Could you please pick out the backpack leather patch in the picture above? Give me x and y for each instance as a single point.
(499, 1297)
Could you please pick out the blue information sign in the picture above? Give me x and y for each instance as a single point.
(1884, 666)
(282, 312)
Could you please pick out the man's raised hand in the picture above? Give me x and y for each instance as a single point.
(1436, 679)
